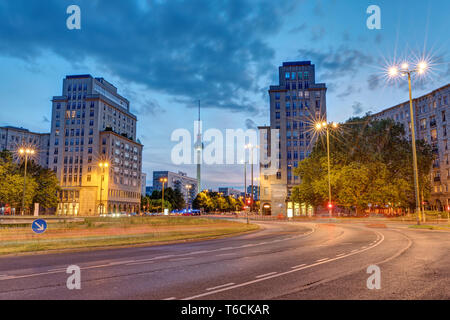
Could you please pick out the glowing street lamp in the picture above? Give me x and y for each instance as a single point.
(319, 126)
(26, 152)
(394, 71)
(102, 165)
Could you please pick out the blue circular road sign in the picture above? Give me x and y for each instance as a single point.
(39, 226)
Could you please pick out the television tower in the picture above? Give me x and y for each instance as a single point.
(198, 149)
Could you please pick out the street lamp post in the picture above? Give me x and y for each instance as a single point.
(163, 180)
(102, 165)
(25, 152)
(251, 148)
(319, 126)
(395, 71)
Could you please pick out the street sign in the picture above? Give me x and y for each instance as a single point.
(39, 226)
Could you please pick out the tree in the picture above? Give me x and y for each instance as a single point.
(371, 164)
(41, 184)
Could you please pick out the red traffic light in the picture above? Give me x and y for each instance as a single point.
(330, 206)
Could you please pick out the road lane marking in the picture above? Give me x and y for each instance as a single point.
(322, 259)
(180, 259)
(265, 275)
(354, 250)
(199, 252)
(226, 254)
(221, 286)
(139, 262)
(340, 254)
(282, 273)
(299, 266)
(171, 298)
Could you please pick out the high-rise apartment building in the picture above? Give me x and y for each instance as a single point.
(13, 138)
(431, 120)
(93, 148)
(295, 103)
(179, 181)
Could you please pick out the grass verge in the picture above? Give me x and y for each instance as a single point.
(105, 232)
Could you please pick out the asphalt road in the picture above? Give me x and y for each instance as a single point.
(282, 261)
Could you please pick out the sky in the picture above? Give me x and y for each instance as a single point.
(164, 56)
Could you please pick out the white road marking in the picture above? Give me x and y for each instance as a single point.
(226, 254)
(340, 254)
(354, 250)
(265, 275)
(139, 262)
(299, 266)
(180, 259)
(322, 259)
(221, 286)
(281, 274)
(171, 298)
(364, 247)
(199, 252)
(58, 269)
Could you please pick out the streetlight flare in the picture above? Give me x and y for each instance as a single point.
(393, 71)
(422, 66)
(405, 66)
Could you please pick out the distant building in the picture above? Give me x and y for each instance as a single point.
(92, 125)
(13, 138)
(432, 114)
(226, 191)
(255, 192)
(294, 104)
(143, 184)
(149, 190)
(180, 181)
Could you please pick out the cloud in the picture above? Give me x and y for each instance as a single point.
(349, 91)
(337, 62)
(373, 82)
(150, 107)
(250, 124)
(357, 108)
(190, 50)
(301, 27)
(317, 33)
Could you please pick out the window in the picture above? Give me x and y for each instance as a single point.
(278, 175)
(88, 178)
(277, 96)
(306, 75)
(287, 75)
(277, 106)
(277, 115)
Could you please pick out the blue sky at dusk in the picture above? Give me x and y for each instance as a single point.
(165, 55)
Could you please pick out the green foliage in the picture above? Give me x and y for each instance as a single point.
(371, 164)
(174, 197)
(213, 201)
(41, 184)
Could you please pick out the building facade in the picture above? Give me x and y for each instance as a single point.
(93, 148)
(295, 104)
(13, 138)
(227, 191)
(431, 112)
(179, 181)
